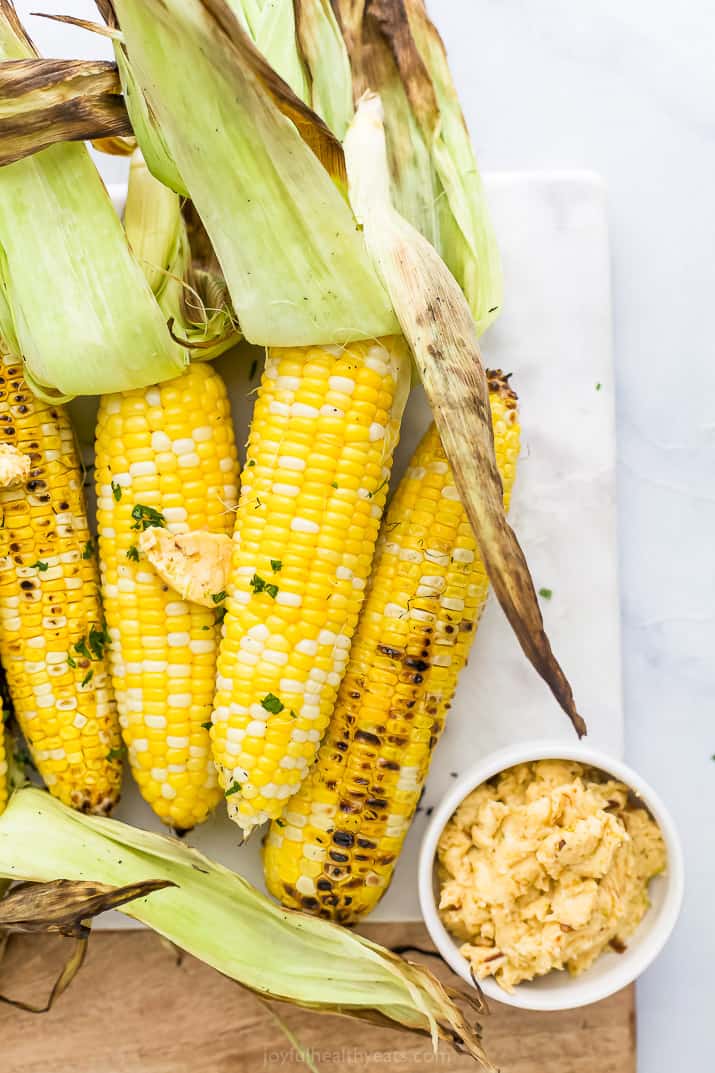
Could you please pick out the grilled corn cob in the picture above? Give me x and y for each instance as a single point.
(319, 455)
(334, 848)
(165, 456)
(52, 635)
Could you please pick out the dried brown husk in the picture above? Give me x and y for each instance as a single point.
(43, 102)
(63, 907)
(66, 906)
(439, 327)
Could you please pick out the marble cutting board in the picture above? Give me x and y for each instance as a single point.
(554, 335)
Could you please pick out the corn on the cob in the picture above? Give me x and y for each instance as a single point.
(313, 489)
(165, 456)
(334, 848)
(52, 634)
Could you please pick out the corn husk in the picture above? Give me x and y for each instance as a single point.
(217, 916)
(146, 129)
(265, 174)
(271, 25)
(437, 322)
(47, 101)
(396, 52)
(326, 57)
(67, 908)
(75, 302)
(191, 293)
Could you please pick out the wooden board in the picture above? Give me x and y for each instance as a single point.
(132, 1009)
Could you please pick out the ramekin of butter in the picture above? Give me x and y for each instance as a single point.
(551, 875)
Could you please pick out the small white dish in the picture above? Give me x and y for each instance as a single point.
(611, 971)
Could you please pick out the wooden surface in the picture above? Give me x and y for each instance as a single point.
(132, 1009)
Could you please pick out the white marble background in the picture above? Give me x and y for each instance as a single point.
(627, 89)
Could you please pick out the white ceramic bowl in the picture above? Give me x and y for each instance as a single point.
(611, 971)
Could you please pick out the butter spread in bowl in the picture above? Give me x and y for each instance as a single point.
(543, 867)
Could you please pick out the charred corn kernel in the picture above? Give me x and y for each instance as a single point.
(52, 636)
(319, 456)
(165, 456)
(334, 848)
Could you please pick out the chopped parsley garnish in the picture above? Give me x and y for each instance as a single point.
(546, 594)
(116, 491)
(280, 822)
(378, 489)
(71, 662)
(220, 616)
(233, 789)
(82, 650)
(88, 677)
(133, 553)
(116, 754)
(598, 387)
(259, 584)
(88, 550)
(251, 463)
(333, 484)
(272, 704)
(219, 597)
(146, 517)
(98, 640)
(293, 714)
(276, 565)
(39, 565)
(207, 726)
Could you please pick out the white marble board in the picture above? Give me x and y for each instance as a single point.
(555, 337)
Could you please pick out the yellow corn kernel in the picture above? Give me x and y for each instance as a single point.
(427, 591)
(165, 455)
(325, 426)
(52, 636)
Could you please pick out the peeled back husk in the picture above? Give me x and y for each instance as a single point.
(396, 52)
(217, 916)
(439, 327)
(265, 174)
(76, 305)
(191, 294)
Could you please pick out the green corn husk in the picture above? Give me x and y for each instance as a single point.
(397, 53)
(193, 297)
(291, 253)
(438, 325)
(303, 44)
(217, 916)
(271, 25)
(146, 129)
(76, 304)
